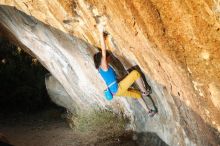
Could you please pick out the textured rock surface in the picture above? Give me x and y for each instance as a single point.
(176, 44)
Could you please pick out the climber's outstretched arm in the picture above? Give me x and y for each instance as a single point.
(104, 63)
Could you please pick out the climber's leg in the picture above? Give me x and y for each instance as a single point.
(124, 85)
(136, 94)
(150, 112)
(129, 79)
(141, 101)
(133, 76)
(123, 89)
(128, 93)
(140, 84)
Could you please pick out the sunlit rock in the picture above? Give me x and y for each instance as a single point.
(175, 43)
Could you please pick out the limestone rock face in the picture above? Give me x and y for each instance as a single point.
(175, 43)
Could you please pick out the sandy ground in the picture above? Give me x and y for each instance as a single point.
(52, 130)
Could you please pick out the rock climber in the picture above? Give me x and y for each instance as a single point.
(122, 88)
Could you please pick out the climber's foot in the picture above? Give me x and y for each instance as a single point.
(145, 93)
(151, 113)
(149, 90)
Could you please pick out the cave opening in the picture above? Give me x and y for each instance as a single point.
(22, 88)
(25, 105)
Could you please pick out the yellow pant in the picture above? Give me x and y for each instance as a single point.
(123, 86)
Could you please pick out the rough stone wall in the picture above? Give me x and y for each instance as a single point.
(176, 44)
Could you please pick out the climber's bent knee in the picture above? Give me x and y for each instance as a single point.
(135, 74)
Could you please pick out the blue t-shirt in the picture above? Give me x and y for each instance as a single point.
(110, 79)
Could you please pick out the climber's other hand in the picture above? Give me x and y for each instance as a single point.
(101, 28)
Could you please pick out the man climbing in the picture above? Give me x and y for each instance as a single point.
(101, 61)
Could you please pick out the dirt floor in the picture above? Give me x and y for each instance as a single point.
(48, 128)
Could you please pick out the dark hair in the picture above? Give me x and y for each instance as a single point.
(98, 57)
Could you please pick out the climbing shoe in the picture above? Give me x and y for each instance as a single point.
(145, 93)
(151, 113)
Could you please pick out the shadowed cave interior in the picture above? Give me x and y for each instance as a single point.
(22, 81)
